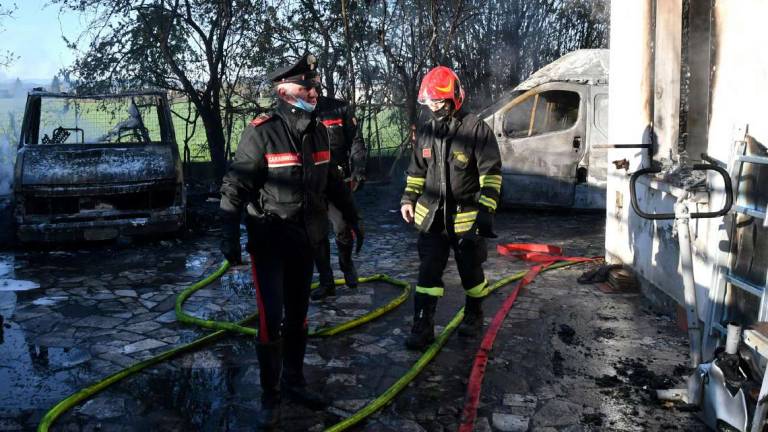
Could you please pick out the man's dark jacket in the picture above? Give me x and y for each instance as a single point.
(345, 136)
(282, 169)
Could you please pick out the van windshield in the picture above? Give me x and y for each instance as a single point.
(81, 120)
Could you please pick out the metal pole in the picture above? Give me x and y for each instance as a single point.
(682, 218)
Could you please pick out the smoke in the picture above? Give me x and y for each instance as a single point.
(11, 113)
(7, 155)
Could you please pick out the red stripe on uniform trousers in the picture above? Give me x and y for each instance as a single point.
(321, 156)
(263, 332)
(333, 122)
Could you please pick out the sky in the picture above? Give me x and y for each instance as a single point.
(34, 35)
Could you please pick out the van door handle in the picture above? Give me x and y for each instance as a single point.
(576, 143)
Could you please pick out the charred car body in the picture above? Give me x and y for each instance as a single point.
(97, 167)
(549, 130)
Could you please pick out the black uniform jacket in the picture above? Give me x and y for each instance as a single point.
(281, 169)
(345, 135)
(456, 167)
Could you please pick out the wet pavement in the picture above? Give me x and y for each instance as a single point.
(569, 357)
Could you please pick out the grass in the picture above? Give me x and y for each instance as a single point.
(383, 135)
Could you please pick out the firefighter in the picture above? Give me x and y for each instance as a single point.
(348, 158)
(281, 179)
(452, 191)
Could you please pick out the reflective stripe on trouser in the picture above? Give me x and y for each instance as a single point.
(434, 248)
(433, 291)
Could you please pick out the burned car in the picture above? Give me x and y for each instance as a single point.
(97, 167)
(550, 130)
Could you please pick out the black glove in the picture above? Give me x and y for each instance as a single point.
(230, 238)
(485, 224)
(358, 233)
(356, 182)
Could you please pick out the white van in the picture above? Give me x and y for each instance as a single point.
(547, 129)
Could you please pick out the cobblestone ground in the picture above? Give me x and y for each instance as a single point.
(568, 358)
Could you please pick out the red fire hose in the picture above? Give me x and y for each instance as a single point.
(544, 256)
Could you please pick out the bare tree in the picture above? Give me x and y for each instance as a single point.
(197, 48)
(415, 35)
(372, 53)
(6, 11)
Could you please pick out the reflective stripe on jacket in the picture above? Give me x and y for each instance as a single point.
(472, 175)
(285, 172)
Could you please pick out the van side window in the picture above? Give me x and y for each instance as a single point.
(601, 113)
(541, 113)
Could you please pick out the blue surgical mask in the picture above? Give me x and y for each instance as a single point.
(302, 104)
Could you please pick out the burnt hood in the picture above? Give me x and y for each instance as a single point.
(94, 164)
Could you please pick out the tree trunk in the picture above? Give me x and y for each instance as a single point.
(216, 143)
(411, 106)
(350, 46)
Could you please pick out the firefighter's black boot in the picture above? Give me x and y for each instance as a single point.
(473, 317)
(270, 365)
(326, 287)
(423, 330)
(345, 263)
(294, 384)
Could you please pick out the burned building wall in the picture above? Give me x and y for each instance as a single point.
(685, 75)
(739, 107)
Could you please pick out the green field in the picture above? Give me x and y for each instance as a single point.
(381, 132)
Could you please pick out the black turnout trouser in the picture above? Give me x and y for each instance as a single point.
(344, 241)
(434, 248)
(281, 261)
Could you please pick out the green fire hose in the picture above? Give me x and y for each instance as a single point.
(223, 328)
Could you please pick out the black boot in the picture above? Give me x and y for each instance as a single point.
(423, 330)
(293, 382)
(473, 317)
(323, 262)
(345, 263)
(270, 365)
(325, 289)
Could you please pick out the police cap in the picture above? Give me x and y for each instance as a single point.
(302, 72)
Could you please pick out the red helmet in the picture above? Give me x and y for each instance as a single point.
(441, 83)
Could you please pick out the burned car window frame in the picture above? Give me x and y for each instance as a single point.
(532, 103)
(81, 190)
(33, 129)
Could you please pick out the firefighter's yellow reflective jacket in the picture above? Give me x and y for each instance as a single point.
(456, 166)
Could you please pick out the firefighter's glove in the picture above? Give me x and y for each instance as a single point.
(230, 239)
(485, 224)
(358, 233)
